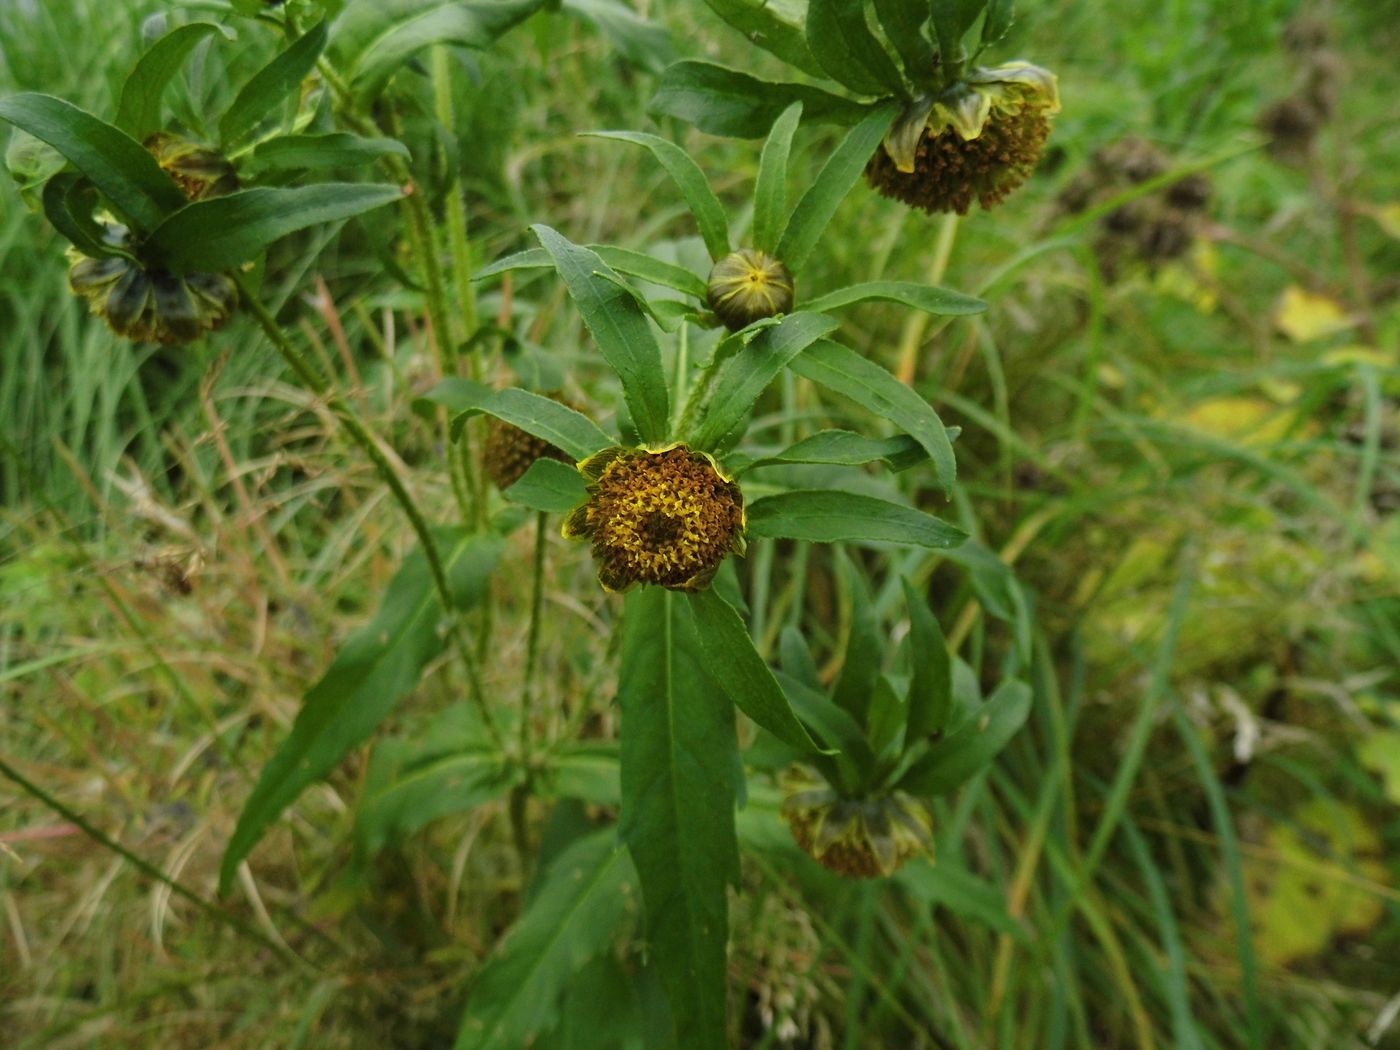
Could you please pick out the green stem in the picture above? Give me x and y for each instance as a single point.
(361, 435)
(532, 645)
(457, 238)
(700, 393)
(149, 869)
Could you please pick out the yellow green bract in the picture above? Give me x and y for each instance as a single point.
(978, 140)
(748, 285)
(858, 838)
(667, 517)
(147, 305)
(198, 170)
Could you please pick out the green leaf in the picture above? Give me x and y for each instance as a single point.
(565, 428)
(747, 374)
(774, 25)
(971, 746)
(845, 372)
(138, 112)
(678, 758)
(1000, 15)
(549, 486)
(904, 26)
(931, 683)
(926, 297)
(623, 260)
(585, 898)
(117, 164)
(835, 727)
(844, 448)
(583, 769)
(222, 233)
(68, 203)
(842, 42)
(272, 85)
(947, 884)
(827, 516)
(841, 171)
(335, 149)
(741, 673)
(951, 21)
(462, 22)
(375, 666)
(645, 44)
(997, 589)
(619, 327)
(864, 652)
(723, 101)
(770, 190)
(796, 658)
(690, 180)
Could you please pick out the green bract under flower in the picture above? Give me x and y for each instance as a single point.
(858, 838)
(977, 140)
(667, 517)
(747, 286)
(148, 305)
(198, 170)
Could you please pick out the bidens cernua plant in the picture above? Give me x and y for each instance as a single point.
(687, 452)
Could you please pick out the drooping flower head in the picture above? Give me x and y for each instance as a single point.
(666, 517)
(748, 285)
(198, 170)
(858, 838)
(978, 139)
(510, 451)
(149, 305)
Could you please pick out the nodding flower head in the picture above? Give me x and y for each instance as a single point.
(198, 170)
(149, 305)
(748, 285)
(977, 140)
(667, 517)
(510, 451)
(858, 838)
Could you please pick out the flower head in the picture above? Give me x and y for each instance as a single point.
(977, 140)
(666, 517)
(510, 451)
(148, 305)
(748, 285)
(198, 170)
(858, 838)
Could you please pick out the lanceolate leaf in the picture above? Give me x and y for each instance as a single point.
(272, 85)
(678, 756)
(844, 448)
(931, 684)
(774, 25)
(138, 112)
(903, 23)
(926, 297)
(829, 516)
(971, 746)
(727, 102)
(770, 190)
(1000, 15)
(841, 40)
(549, 486)
(469, 23)
(833, 182)
(747, 374)
(563, 427)
(951, 21)
(845, 372)
(68, 203)
(374, 668)
(834, 725)
(623, 260)
(117, 164)
(691, 181)
(645, 44)
(224, 232)
(335, 149)
(864, 650)
(620, 328)
(586, 897)
(741, 672)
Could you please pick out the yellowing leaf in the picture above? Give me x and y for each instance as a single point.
(1361, 355)
(1250, 420)
(1380, 753)
(1387, 216)
(1303, 889)
(1304, 316)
